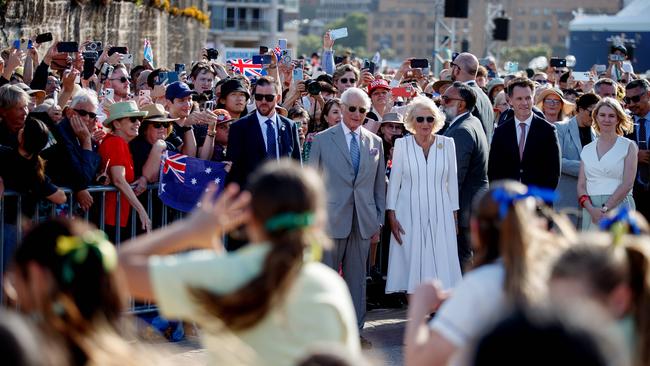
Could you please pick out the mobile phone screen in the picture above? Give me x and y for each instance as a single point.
(67, 47)
(419, 63)
(338, 33)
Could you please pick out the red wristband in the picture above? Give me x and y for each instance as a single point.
(583, 199)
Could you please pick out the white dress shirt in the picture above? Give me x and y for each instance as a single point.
(348, 134)
(262, 121)
(518, 129)
(456, 119)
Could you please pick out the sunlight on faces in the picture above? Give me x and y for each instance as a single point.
(180, 107)
(521, 102)
(121, 89)
(552, 105)
(348, 80)
(607, 119)
(266, 108)
(203, 81)
(235, 102)
(334, 115)
(14, 117)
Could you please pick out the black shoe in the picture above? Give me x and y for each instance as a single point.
(365, 344)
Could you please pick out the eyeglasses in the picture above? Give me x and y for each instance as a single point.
(83, 113)
(353, 109)
(452, 64)
(421, 119)
(135, 119)
(158, 124)
(446, 99)
(633, 99)
(541, 81)
(552, 102)
(123, 79)
(268, 97)
(346, 80)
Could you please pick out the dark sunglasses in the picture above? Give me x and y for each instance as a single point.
(268, 97)
(446, 99)
(159, 124)
(633, 99)
(135, 119)
(83, 113)
(353, 109)
(346, 80)
(123, 79)
(421, 119)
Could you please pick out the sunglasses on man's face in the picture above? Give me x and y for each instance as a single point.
(353, 109)
(633, 99)
(421, 119)
(123, 79)
(346, 80)
(158, 124)
(83, 113)
(135, 119)
(268, 97)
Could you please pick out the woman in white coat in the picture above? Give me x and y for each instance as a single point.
(422, 203)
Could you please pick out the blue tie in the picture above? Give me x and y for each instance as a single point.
(354, 153)
(271, 149)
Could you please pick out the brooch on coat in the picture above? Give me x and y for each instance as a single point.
(440, 145)
(374, 151)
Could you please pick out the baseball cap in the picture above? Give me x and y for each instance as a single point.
(178, 90)
(378, 84)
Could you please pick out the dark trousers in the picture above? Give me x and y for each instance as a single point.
(642, 200)
(465, 253)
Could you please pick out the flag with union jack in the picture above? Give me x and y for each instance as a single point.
(148, 52)
(247, 68)
(183, 180)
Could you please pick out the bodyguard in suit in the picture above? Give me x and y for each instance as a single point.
(574, 134)
(525, 148)
(471, 157)
(464, 68)
(637, 100)
(352, 160)
(262, 134)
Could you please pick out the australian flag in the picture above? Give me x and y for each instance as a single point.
(183, 180)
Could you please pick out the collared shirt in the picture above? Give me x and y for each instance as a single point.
(456, 119)
(647, 127)
(518, 129)
(348, 136)
(262, 121)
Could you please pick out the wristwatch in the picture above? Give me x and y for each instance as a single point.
(604, 209)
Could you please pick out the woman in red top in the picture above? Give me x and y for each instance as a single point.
(124, 120)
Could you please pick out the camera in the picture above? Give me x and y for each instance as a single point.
(212, 54)
(312, 86)
(94, 46)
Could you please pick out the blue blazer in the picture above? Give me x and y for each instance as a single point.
(246, 148)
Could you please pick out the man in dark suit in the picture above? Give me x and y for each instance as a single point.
(260, 135)
(637, 100)
(464, 68)
(471, 157)
(525, 147)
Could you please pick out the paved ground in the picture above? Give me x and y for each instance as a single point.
(384, 328)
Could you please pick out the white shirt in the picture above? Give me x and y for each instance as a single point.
(262, 120)
(456, 119)
(477, 301)
(348, 134)
(518, 129)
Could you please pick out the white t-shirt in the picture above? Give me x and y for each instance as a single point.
(477, 302)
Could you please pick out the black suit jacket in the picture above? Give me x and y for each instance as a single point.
(483, 109)
(633, 136)
(471, 162)
(246, 148)
(542, 157)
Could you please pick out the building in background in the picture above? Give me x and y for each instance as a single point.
(251, 23)
(407, 26)
(330, 10)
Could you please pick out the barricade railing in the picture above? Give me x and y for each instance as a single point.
(159, 214)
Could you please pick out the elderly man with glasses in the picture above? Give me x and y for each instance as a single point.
(352, 160)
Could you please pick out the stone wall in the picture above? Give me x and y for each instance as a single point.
(175, 39)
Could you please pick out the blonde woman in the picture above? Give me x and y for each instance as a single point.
(422, 203)
(608, 164)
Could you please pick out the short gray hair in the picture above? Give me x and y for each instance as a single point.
(10, 95)
(84, 96)
(350, 92)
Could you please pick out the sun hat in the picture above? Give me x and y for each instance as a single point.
(392, 117)
(35, 92)
(156, 113)
(567, 106)
(122, 110)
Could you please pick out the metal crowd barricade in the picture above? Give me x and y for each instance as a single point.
(165, 214)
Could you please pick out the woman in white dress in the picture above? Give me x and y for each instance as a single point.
(422, 203)
(608, 165)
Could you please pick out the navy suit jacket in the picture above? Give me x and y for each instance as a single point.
(246, 148)
(542, 158)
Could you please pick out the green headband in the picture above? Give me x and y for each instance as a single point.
(289, 221)
(75, 249)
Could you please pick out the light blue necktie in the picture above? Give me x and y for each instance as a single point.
(271, 150)
(354, 153)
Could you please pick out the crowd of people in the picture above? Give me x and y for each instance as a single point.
(512, 207)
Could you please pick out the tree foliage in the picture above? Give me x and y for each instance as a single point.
(523, 55)
(357, 24)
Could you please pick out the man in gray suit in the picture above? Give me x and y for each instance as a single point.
(471, 158)
(573, 135)
(464, 68)
(352, 160)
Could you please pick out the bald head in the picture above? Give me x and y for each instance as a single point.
(467, 67)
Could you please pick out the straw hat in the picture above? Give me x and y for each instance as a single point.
(567, 106)
(122, 110)
(156, 113)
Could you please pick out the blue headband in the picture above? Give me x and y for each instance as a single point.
(506, 198)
